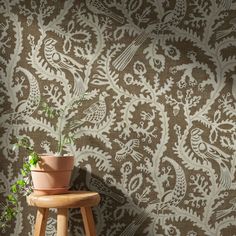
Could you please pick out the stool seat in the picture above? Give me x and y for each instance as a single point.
(72, 199)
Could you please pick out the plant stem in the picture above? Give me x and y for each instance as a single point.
(61, 139)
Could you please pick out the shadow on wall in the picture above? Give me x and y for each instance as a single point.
(84, 179)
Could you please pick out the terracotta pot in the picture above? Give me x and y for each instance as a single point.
(52, 174)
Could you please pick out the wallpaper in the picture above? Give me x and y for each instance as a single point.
(156, 134)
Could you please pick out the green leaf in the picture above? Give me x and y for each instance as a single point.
(24, 172)
(14, 188)
(26, 167)
(33, 158)
(11, 198)
(10, 214)
(21, 182)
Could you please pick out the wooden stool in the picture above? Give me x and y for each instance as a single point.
(73, 199)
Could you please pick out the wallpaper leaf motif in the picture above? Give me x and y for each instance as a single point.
(157, 136)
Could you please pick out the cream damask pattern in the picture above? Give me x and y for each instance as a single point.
(157, 137)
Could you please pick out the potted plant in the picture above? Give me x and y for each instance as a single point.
(44, 173)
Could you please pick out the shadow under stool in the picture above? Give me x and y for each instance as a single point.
(72, 199)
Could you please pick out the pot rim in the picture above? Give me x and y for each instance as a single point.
(56, 156)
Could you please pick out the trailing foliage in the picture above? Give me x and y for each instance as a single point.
(21, 187)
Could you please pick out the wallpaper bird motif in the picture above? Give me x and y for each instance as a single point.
(157, 134)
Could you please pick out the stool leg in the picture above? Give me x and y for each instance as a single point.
(62, 221)
(41, 222)
(89, 225)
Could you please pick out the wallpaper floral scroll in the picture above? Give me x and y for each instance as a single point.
(157, 136)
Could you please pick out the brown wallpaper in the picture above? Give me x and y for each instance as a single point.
(157, 135)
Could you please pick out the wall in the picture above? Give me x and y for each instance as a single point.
(157, 135)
